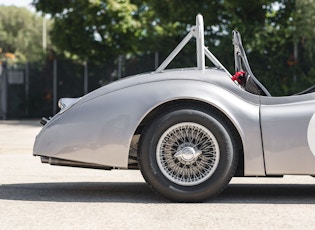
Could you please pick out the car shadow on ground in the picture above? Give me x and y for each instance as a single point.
(141, 193)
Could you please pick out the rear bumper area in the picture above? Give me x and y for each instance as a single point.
(45, 120)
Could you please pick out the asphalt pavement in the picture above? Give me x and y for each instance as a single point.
(40, 196)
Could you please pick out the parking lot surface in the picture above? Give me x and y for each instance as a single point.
(40, 196)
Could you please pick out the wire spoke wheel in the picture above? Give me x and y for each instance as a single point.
(187, 154)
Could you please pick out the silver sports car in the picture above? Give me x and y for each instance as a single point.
(189, 131)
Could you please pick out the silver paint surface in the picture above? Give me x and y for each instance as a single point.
(99, 127)
(285, 122)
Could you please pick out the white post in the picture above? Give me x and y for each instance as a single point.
(200, 42)
(3, 95)
(119, 66)
(44, 33)
(156, 60)
(26, 85)
(86, 77)
(295, 52)
(55, 86)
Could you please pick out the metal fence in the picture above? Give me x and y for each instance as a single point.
(32, 90)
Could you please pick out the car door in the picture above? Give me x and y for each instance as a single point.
(288, 134)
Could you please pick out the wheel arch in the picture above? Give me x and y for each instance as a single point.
(189, 102)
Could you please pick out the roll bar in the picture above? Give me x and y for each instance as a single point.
(196, 31)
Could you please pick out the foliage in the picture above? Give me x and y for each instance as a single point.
(272, 32)
(303, 26)
(266, 27)
(304, 23)
(93, 30)
(20, 34)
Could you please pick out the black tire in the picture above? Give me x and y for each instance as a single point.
(179, 166)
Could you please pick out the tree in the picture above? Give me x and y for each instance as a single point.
(20, 33)
(262, 24)
(93, 30)
(102, 29)
(303, 24)
(98, 30)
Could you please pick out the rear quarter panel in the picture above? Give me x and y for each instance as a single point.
(99, 130)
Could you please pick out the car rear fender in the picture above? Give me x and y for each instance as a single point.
(100, 130)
